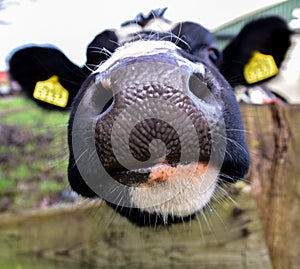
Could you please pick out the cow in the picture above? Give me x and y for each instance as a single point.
(257, 57)
(154, 129)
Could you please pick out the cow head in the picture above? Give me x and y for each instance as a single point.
(255, 57)
(154, 128)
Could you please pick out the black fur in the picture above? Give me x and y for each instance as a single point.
(31, 64)
(268, 35)
(99, 49)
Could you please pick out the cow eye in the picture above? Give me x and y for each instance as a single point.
(214, 55)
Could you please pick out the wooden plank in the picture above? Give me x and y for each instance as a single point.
(274, 140)
(90, 234)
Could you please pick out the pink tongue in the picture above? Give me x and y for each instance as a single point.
(164, 172)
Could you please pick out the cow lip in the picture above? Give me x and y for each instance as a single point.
(157, 173)
(147, 169)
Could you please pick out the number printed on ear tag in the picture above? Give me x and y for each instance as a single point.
(260, 67)
(51, 91)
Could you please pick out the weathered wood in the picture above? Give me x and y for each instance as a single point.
(90, 234)
(274, 140)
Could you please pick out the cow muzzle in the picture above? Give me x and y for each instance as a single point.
(154, 134)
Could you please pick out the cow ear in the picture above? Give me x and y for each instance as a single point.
(257, 52)
(46, 75)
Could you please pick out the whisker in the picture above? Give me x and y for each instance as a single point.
(89, 68)
(81, 156)
(206, 220)
(200, 226)
(228, 197)
(239, 130)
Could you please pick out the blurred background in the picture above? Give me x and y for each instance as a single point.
(71, 25)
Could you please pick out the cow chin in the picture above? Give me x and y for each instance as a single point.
(176, 192)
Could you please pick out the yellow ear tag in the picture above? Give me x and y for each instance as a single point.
(51, 91)
(260, 67)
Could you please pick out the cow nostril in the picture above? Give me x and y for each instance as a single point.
(199, 88)
(107, 105)
(102, 96)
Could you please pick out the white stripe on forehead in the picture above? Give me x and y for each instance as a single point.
(159, 25)
(136, 49)
(156, 25)
(143, 48)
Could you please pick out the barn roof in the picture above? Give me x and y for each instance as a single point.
(289, 10)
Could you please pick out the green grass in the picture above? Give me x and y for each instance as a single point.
(21, 172)
(26, 113)
(50, 187)
(33, 164)
(6, 185)
(13, 103)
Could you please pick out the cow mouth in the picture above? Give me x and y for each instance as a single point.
(170, 193)
(179, 191)
(159, 173)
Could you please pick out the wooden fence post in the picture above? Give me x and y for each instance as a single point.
(273, 134)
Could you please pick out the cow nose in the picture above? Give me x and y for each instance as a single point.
(152, 116)
(158, 76)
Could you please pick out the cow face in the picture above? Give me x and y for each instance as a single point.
(154, 128)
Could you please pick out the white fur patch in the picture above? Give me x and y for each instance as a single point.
(185, 193)
(159, 25)
(156, 25)
(286, 83)
(144, 48)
